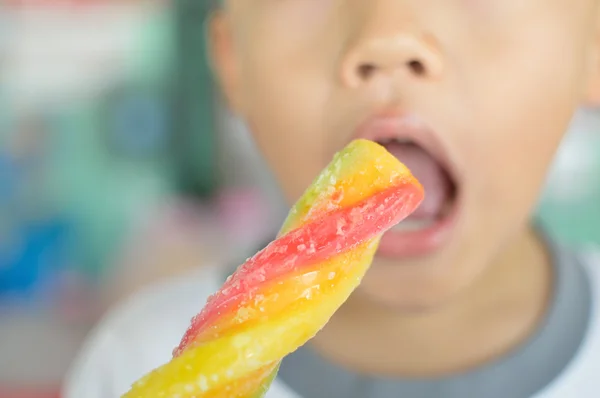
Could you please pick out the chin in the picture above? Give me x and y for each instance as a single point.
(406, 304)
(412, 286)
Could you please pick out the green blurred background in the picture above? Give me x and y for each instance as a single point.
(570, 206)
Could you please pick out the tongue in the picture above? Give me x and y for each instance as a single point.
(435, 180)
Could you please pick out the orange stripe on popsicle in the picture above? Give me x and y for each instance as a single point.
(282, 296)
(340, 231)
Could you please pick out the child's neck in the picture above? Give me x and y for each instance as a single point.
(496, 314)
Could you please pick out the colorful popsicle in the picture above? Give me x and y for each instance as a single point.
(280, 298)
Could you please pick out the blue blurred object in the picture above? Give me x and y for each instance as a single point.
(140, 124)
(33, 245)
(35, 252)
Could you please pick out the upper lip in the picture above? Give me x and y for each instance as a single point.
(407, 128)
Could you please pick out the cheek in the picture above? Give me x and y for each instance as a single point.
(518, 124)
(285, 114)
(513, 163)
(287, 91)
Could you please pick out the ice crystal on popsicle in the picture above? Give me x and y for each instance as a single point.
(282, 296)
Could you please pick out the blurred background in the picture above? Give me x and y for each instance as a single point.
(118, 167)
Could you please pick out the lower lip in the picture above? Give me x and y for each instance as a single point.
(406, 244)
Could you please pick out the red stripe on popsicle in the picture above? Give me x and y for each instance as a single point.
(317, 241)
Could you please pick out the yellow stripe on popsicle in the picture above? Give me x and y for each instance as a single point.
(284, 295)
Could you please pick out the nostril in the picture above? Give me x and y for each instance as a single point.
(416, 67)
(366, 71)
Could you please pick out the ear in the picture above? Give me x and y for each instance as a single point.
(222, 57)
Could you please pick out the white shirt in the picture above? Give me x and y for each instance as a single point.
(137, 337)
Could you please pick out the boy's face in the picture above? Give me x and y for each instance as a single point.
(473, 95)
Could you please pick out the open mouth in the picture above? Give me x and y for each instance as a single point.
(428, 228)
(440, 187)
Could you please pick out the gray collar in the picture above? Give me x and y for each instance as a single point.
(518, 374)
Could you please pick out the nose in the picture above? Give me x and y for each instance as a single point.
(385, 46)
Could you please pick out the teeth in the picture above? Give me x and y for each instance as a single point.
(413, 225)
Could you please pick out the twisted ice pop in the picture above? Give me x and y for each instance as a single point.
(280, 298)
